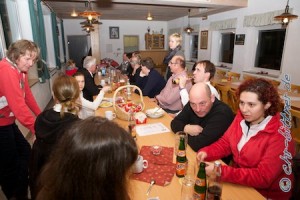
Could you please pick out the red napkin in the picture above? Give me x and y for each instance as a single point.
(160, 167)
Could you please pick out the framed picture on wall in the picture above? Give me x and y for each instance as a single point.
(239, 39)
(113, 32)
(203, 39)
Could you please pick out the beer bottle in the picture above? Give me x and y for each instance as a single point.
(200, 183)
(181, 160)
(214, 183)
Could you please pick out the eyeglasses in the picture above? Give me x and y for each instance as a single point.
(171, 63)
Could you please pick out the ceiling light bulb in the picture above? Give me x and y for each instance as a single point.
(74, 14)
(90, 17)
(149, 17)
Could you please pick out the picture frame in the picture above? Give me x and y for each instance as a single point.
(114, 32)
(239, 39)
(204, 40)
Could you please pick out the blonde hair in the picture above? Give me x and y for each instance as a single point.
(177, 37)
(66, 92)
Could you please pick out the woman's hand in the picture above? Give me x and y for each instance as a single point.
(201, 156)
(106, 89)
(209, 168)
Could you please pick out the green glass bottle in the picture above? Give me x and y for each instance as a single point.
(200, 183)
(181, 159)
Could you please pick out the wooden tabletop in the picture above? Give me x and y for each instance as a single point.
(173, 190)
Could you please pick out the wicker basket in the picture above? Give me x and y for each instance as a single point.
(120, 113)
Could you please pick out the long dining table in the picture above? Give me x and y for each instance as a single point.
(172, 191)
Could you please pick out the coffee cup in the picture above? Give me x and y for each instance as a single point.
(140, 164)
(110, 115)
(102, 82)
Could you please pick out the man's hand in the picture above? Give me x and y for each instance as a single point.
(193, 130)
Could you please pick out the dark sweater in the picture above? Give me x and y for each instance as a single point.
(214, 124)
(152, 84)
(90, 88)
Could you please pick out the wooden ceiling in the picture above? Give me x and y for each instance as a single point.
(161, 10)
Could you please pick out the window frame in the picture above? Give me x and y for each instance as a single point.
(220, 60)
(192, 35)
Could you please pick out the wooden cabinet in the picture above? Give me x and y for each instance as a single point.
(154, 41)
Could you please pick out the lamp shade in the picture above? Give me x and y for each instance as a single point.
(189, 29)
(285, 17)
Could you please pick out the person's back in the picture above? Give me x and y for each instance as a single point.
(93, 161)
(51, 124)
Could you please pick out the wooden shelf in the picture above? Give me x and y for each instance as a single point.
(154, 41)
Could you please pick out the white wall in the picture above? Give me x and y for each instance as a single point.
(72, 27)
(244, 55)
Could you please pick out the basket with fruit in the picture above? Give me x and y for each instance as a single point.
(125, 106)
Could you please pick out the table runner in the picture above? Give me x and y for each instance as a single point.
(160, 167)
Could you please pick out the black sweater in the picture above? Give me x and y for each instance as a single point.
(214, 124)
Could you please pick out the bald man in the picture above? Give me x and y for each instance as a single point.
(204, 118)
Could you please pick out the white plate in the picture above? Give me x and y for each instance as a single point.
(105, 104)
(155, 113)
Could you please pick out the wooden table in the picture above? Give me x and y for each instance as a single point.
(295, 97)
(173, 191)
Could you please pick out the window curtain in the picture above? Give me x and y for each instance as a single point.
(262, 19)
(224, 24)
(38, 32)
(55, 33)
(63, 39)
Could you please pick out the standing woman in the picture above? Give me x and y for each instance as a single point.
(261, 154)
(88, 107)
(16, 102)
(51, 124)
(92, 161)
(175, 49)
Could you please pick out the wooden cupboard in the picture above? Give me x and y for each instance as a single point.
(154, 41)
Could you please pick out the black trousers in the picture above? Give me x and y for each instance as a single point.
(14, 159)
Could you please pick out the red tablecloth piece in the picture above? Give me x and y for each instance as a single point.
(160, 167)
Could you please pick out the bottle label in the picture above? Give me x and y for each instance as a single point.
(200, 182)
(181, 153)
(197, 196)
(180, 168)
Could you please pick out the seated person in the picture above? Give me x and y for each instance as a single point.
(92, 161)
(205, 119)
(71, 67)
(262, 154)
(89, 69)
(135, 62)
(149, 80)
(169, 98)
(51, 124)
(125, 66)
(87, 107)
(204, 71)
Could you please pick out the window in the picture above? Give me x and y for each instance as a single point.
(194, 40)
(227, 47)
(131, 43)
(269, 49)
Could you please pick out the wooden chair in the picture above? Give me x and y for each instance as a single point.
(220, 73)
(223, 91)
(275, 83)
(233, 100)
(295, 88)
(234, 75)
(295, 130)
(247, 76)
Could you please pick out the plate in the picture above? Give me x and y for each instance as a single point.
(105, 104)
(155, 113)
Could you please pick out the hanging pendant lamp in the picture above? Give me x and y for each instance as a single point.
(189, 29)
(285, 17)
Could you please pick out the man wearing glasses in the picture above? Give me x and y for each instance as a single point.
(169, 98)
(204, 118)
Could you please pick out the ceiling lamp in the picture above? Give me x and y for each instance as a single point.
(149, 17)
(93, 21)
(89, 13)
(285, 17)
(189, 29)
(74, 14)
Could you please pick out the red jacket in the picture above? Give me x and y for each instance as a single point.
(258, 164)
(16, 99)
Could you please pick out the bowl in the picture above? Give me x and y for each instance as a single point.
(156, 149)
(155, 112)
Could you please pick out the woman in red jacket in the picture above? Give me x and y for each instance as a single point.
(258, 140)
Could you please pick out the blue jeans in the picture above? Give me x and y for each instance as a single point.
(14, 160)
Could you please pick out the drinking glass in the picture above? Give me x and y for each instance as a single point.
(177, 139)
(187, 188)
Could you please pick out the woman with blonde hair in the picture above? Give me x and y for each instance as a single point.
(93, 160)
(51, 124)
(175, 49)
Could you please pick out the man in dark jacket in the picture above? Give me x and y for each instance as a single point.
(204, 118)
